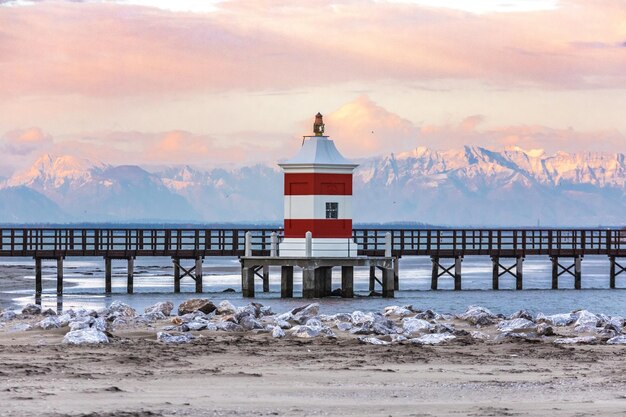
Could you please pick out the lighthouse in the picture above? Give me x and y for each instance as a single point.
(318, 199)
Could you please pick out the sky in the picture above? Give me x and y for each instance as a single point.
(223, 83)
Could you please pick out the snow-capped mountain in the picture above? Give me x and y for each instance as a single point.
(469, 186)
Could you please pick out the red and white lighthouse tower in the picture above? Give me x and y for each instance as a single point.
(318, 199)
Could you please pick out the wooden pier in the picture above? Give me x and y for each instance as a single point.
(507, 248)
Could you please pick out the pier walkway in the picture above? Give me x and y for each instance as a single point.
(507, 249)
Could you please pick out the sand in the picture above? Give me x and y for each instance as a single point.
(222, 374)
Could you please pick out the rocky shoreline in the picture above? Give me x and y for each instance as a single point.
(197, 318)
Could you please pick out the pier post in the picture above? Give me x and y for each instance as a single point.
(435, 273)
(247, 281)
(274, 245)
(176, 263)
(457, 273)
(519, 273)
(612, 272)
(495, 274)
(372, 278)
(308, 244)
(248, 244)
(308, 282)
(266, 278)
(347, 281)
(555, 272)
(388, 284)
(328, 281)
(286, 281)
(320, 282)
(199, 274)
(578, 272)
(38, 279)
(396, 273)
(131, 276)
(60, 275)
(108, 287)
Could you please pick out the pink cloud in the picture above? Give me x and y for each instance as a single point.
(25, 141)
(107, 49)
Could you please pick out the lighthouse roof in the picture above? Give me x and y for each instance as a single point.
(318, 151)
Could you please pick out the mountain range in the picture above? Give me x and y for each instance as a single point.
(472, 186)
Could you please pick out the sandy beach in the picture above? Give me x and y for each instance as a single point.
(252, 372)
(254, 375)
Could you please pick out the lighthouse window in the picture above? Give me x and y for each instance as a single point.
(332, 210)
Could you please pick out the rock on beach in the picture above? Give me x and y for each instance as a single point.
(203, 305)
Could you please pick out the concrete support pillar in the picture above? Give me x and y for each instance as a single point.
(247, 281)
(372, 278)
(388, 284)
(388, 245)
(320, 282)
(578, 272)
(555, 272)
(198, 271)
(308, 283)
(519, 273)
(286, 281)
(38, 277)
(60, 276)
(612, 273)
(176, 262)
(328, 281)
(457, 273)
(108, 275)
(435, 274)
(495, 273)
(396, 273)
(347, 281)
(131, 276)
(266, 278)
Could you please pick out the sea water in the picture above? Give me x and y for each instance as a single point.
(153, 281)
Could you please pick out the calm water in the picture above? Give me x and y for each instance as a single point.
(154, 282)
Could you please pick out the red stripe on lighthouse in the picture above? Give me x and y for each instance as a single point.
(318, 184)
(338, 228)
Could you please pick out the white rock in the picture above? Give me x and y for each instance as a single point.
(8, 315)
(305, 332)
(122, 309)
(575, 340)
(617, 340)
(432, 339)
(480, 335)
(278, 333)
(168, 338)
(587, 319)
(197, 325)
(515, 325)
(397, 311)
(21, 327)
(558, 320)
(226, 307)
(343, 325)
(372, 340)
(414, 326)
(51, 322)
(477, 315)
(163, 307)
(359, 317)
(83, 336)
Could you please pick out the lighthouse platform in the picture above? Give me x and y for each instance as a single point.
(316, 274)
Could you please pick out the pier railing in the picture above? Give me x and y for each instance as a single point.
(191, 243)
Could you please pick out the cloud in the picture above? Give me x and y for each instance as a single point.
(25, 141)
(363, 128)
(110, 49)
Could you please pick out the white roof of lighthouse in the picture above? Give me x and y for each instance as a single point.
(318, 152)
